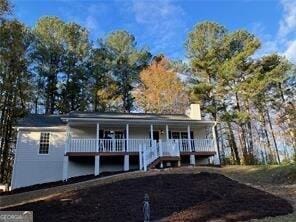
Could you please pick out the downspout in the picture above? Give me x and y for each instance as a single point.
(215, 144)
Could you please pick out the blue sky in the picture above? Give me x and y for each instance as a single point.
(162, 25)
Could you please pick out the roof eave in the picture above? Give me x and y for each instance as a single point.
(138, 120)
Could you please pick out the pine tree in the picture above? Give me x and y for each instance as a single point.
(126, 63)
(15, 79)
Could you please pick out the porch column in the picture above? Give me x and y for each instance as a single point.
(97, 165)
(126, 163)
(192, 159)
(127, 137)
(68, 137)
(151, 132)
(189, 138)
(65, 168)
(167, 131)
(98, 137)
(140, 157)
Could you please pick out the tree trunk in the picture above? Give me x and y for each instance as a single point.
(243, 133)
(233, 143)
(273, 137)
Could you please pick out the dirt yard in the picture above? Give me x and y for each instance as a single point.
(182, 194)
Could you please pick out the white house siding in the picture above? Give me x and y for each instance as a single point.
(139, 132)
(144, 132)
(84, 131)
(30, 167)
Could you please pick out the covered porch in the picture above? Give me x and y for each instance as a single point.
(105, 138)
(147, 144)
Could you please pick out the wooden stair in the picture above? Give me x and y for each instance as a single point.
(163, 158)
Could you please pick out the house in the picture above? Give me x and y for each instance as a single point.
(57, 147)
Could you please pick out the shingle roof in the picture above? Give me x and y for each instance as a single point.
(135, 116)
(40, 120)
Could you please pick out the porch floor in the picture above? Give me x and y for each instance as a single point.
(101, 153)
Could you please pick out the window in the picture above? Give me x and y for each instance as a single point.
(44, 143)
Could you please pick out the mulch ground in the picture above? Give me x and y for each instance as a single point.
(58, 183)
(173, 197)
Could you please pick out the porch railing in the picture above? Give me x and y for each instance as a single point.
(149, 154)
(82, 145)
(109, 145)
(171, 147)
(106, 145)
(135, 144)
(196, 145)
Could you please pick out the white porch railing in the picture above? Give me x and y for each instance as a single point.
(171, 147)
(82, 145)
(112, 145)
(135, 144)
(203, 145)
(106, 145)
(196, 145)
(160, 149)
(150, 154)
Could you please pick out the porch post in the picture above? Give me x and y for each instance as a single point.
(192, 159)
(65, 168)
(192, 156)
(151, 132)
(167, 132)
(68, 137)
(98, 137)
(127, 137)
(189, 138)
(97, 165)
(140, 157)
(126, 163)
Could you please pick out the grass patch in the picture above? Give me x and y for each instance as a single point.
(264, 174)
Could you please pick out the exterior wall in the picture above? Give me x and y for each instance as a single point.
(84, 131)
(144, 132)
(139, 132)
(30, 167)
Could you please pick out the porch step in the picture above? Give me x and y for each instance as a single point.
(163, 158)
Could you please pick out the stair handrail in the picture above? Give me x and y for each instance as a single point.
(150, 154)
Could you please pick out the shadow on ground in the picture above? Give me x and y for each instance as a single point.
(173, 197)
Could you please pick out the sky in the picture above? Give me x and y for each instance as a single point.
(162, 26)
